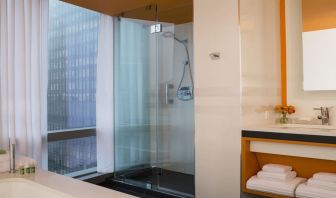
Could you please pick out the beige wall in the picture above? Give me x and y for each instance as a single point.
(261, 63)
(304, 101)
(260, 56)
(217, 102)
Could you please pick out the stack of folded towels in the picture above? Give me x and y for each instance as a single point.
(275, 179)
(321, 185)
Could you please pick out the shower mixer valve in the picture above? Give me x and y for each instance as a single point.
(185, 93)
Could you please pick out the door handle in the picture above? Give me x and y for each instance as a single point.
(168, 100)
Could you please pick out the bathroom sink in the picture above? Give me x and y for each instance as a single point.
(304, 126)
(19, 187)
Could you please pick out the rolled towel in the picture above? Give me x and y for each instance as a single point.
(276, 168)
(275, 187)
(330, 177)
(306, 191)
(277, 176)
(321, 184)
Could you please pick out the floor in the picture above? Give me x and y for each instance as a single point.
(164, 178)
(169, 180)
(154, 183)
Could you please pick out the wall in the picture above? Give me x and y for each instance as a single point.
(260, 56)
(177, 127)
(217, 102)
(304, 101)
(260, 59)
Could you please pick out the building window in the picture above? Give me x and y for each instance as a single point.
(72, 43)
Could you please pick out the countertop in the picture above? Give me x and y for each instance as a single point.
(67, 185)
(279, 129)
(295, 134)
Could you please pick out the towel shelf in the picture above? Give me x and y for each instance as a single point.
(298, 150)
(257, 152)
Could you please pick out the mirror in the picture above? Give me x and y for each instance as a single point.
(319, 44)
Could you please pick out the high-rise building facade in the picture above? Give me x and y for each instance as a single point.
(72, 49)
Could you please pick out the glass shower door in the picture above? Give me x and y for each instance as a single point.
(135, 92)
(154, 108)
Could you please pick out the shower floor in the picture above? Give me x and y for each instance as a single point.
(151, 181)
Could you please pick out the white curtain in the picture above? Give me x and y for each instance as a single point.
(104, 96)
(23, 72)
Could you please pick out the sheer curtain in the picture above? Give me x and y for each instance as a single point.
(23, 75)
(104, 96)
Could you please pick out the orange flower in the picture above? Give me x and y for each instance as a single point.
(278, 108)
(290, 109)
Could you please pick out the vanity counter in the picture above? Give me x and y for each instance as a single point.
(66, 185)
(292, 134)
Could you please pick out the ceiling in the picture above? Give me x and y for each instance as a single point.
(172, 11)
(318, 14)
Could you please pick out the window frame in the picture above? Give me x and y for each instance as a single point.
(67, 134)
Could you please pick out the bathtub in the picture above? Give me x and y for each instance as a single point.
(20, 187)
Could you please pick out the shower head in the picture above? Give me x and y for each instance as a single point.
(168, 34)
(172, 35)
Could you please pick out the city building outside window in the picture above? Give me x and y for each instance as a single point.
(72, 51)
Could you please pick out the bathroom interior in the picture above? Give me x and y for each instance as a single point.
(167, 98)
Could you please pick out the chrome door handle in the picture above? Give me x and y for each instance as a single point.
(167, 99)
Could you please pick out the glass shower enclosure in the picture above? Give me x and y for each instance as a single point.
(153, 101)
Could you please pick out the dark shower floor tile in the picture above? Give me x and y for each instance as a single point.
(154, 183)
(169, 180)
(135, 191)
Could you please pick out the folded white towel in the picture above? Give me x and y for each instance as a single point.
(305, 191)
(276, 168)
(321, 184)
(275, 187)
(277, 176)
(331, 177)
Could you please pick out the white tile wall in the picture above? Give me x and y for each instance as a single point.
(217, 102)
(260, 56)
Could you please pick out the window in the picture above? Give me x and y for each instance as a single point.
(72, 43)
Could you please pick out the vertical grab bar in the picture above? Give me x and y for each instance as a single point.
(12, 157)
(167, 99)
(166, 93)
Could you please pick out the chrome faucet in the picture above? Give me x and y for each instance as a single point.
(324, 117)
(12, 157)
